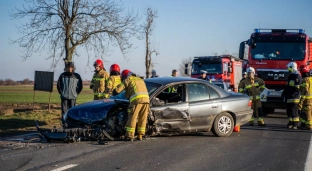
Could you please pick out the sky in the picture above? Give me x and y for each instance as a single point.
(183, 29)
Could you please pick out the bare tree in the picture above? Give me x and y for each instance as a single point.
(148, 28)
(62, 25)
(25, 81)
(182, 65)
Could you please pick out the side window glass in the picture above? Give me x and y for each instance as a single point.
(213, 93)
(197, 92)
(171, 95)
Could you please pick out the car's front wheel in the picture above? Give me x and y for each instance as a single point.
(223, 125)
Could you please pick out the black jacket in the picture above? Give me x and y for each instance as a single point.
(292, 89)
(69, 85)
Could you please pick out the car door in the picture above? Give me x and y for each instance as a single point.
(174, 114)
(204, 105)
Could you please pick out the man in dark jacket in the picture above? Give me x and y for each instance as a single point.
(203, 76)
(69, 85)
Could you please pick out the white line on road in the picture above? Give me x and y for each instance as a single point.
(308, 164)
(65, 167)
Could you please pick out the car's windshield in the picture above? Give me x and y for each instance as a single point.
(151, 87)
(213, 67)
(278, 51)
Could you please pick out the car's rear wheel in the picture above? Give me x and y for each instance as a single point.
(223, 125)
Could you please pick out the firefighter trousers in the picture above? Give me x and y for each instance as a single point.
(257, 112)
(307, 110)
(292, 113)
(136, 113)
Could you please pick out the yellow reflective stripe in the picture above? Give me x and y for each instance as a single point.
(296, 119)
(309, 122)
(141, 129)
(129, 129)
(251, 97)
(293, 100)
(297, 86)
(257, 97)
(252, 119)
(241, 90)
(256, 84)
(303, 84)
(98, 79)
(248, 86)
(263, 86)
(260, 119)
(290, 119)
(138, 96)
(307, 97)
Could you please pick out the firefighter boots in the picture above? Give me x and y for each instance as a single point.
(261, 122)
(140, 138)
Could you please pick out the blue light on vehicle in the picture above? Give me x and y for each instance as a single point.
(257, 30)
(213, 77)
(208, 77)
(301, 30)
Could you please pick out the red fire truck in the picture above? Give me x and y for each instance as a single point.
(224, 67)
(269, 51)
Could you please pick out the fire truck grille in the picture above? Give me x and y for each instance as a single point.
(273, 75)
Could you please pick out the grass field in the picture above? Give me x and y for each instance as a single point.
(16, 104)
(25, 94)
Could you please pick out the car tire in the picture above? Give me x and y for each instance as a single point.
(223, 125)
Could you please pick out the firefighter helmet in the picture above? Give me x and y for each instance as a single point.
(115, 68)
(251, 69)
(99, 63)
(292, 66)
(304, 69)
(124, 74)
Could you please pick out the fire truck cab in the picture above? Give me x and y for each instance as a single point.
(224, 67)
(269, 51)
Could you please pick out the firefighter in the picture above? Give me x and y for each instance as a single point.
(291, 94)
(253, 87)
(203, 76)
(305, 103)
(138, 109)
(99, 80)
(113, 80)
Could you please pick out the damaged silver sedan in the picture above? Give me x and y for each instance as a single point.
(179, 105)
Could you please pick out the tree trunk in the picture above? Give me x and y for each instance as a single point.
(147, 60)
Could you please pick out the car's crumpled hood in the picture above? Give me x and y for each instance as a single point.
(93, 111)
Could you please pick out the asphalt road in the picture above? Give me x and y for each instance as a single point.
(273, 147)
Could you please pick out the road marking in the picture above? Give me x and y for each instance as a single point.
(308, 163)
(65, 167)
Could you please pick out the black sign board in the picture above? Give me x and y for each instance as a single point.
(44, 81)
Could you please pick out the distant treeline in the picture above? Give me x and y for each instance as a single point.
(27, 81)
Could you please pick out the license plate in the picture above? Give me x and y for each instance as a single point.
(275, 93)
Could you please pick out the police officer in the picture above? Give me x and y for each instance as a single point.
(253, 87)
(244, 76)
(113, 80)
(305, 104)
(99, 79)
(137, 94)
(291, 94)
(203, 76)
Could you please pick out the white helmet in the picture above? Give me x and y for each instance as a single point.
(293, 66)
(251, 69)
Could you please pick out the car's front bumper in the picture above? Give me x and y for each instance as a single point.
(243, 117)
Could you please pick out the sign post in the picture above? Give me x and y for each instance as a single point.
(43, 82)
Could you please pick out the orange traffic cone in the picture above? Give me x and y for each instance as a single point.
(236, 128)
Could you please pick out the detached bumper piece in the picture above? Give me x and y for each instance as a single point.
(70, 135)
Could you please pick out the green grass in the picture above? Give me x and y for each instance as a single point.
(25, 94)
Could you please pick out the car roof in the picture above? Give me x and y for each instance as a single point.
(169, 80)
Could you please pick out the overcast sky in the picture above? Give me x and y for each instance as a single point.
(184, 28)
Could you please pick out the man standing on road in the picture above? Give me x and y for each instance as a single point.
(69, 85)
(138, 109)
(174, 73)
(99, 79)
(305, 103)
(253, 86)
(291, 94)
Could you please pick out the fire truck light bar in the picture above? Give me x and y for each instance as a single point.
(280, 30)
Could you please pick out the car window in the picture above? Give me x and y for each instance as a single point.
(151, 87)
(197, 92)
(213, 94)
(172, 94)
